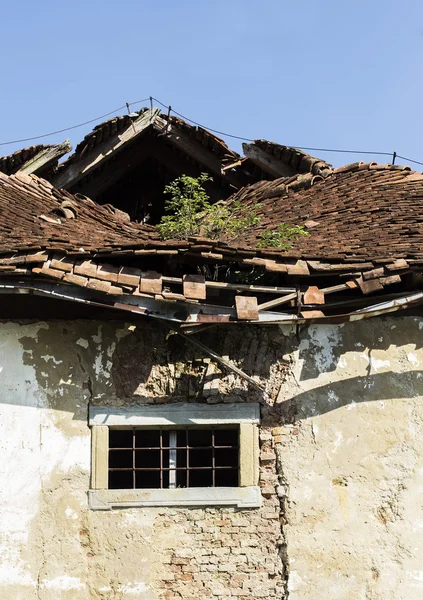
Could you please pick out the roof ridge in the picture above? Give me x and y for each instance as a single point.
(363, 166)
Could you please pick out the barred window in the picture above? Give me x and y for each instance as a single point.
(173, 458)
(177, 454)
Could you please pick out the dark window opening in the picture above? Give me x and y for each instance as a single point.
(173, 458)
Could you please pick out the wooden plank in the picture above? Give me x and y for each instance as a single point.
(336, 288)
(223, 361)
(81, 167)
(195, 150)
(242, 287)
(45, 158)
(324, 267)
(277, 301)
(267, 162)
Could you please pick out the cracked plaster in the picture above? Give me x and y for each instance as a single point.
(345, 409)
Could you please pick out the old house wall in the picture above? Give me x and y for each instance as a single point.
(340, 464)
(350, 452)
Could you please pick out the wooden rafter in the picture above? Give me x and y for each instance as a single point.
(268, 163)
(81, 167)
(152, 120)
(45, 158)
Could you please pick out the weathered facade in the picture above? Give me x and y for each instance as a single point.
(340, 464)
(309, 357)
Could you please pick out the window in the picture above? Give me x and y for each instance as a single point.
(180, 454)
(175, 458)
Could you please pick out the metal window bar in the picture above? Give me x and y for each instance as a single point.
(173, 467)
(134, 473)
(187, 445)
(172, 459)
(161, 458)
(213, 461)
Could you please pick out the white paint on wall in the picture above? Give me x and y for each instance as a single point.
(133, 589)
(379, 365)
(413, 359)
(31, 449)
(63, 583)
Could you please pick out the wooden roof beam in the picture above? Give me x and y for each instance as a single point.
(195, 150)
(45, 158)
(267, 162)
(69, 176)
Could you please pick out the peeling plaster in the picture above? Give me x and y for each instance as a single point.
(347, 405)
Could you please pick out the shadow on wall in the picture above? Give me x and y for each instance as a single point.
(156, 363)
(365, 361)
(325, 398)
(322, 347)
(67, 364)
(64, 365)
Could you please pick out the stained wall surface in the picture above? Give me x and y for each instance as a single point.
(340, 464)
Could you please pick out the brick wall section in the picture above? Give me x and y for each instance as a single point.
(228, 553)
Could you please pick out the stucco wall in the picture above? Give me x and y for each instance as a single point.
(341, 518)
(351, 453)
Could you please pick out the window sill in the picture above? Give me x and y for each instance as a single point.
(240, 497)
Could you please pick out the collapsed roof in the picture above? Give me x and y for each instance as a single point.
(363, 254)
(41, 159)
(127, 161)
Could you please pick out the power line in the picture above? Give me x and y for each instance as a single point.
(37, 137)
(343, 151)
(416, 162)
(229, 135)
(236, 137)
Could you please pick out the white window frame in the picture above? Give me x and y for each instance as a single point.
(246, 416)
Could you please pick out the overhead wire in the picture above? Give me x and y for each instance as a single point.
(237, 137)
(223, 133)
(38, 137)
(416, 162)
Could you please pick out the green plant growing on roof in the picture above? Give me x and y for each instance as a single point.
(282, 237)
(190, 213)
(187, 200)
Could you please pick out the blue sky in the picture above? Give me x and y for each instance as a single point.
(327, 74)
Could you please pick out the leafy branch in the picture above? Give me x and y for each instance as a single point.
(190, 213)
(282, 237)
